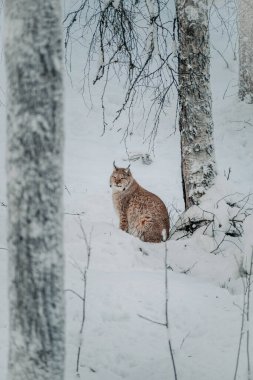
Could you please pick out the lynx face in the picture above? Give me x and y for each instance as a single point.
(120, 179)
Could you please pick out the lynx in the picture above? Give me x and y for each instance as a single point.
(141, 213)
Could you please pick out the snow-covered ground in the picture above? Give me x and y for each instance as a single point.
(126, 277)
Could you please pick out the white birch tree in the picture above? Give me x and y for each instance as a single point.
(195, 102)
(245, 23)
(33, 54)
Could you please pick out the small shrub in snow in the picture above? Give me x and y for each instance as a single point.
(216, 236)
(220, 218)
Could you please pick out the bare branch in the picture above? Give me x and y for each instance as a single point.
(131, 40)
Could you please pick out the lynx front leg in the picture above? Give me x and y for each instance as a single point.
(123, 224)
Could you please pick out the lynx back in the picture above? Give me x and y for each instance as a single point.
(140, 212)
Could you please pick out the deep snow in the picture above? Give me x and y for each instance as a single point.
(126, 276)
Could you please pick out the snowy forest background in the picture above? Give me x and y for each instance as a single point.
(115, 285)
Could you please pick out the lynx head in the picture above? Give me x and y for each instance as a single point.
(120, 179)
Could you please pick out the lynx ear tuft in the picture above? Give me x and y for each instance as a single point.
(127, 170)
(114, 165)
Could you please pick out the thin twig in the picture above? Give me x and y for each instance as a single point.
(242, 325)
(85, 273)
(74, 213)
(184, 339)
(151, 320)
(167, 312)
(74, 292)
(222, 56)
(166, 323)
(248, 316)
(67, 189)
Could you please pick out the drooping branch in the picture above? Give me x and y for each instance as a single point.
(132, 40)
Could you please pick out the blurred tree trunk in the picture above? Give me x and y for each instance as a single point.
(195, 103)
(245, 18)
(33, 54)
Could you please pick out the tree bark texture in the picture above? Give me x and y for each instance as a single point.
(33, 54)
(245, 22)
(195, 103)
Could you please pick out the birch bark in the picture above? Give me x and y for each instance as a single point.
(195, 103)
(245, 22)
(33, 55)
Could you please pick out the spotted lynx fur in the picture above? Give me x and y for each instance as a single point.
(141, 213)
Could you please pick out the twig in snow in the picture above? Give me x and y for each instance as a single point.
(151, 320)
(242, 121)
(75, 293)
(245, 315)
(166, 323)
(74, 213)
(143, 252)
(184, 339)
(166, 310)
(241, 332)
(248, 315)
(188, 270)
(215, 250)
(67, 189)
(226, 90)
(76, 265)
(83, 297)
(227, 175)
(239, 307)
